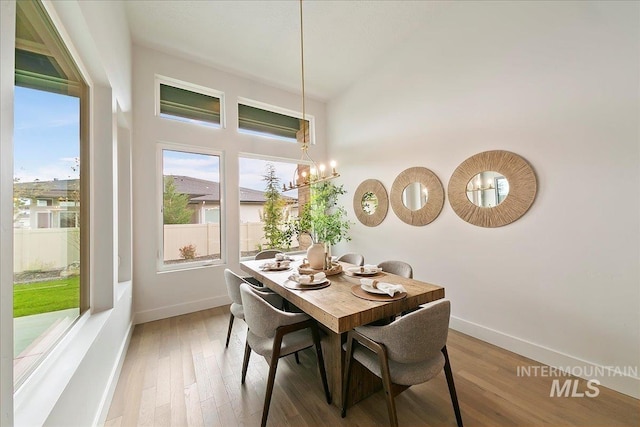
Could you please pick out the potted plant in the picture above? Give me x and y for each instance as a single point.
(322, 218)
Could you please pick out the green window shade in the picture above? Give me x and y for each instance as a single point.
(189, 105)
(265, 122)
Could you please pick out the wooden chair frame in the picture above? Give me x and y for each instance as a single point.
(390, 389)
(275, 356)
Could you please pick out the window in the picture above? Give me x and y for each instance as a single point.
(189, 103)
(265, 120)
(253, 185)
(191, 226)
(50, 138)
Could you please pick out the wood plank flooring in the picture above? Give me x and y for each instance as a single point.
(177, 372)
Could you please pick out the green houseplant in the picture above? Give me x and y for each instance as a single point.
(322, 217)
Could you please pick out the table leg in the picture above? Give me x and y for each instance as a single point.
(363, 383)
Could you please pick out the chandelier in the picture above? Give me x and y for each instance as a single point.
(317, 173)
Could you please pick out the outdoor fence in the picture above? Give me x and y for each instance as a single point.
(56, 248)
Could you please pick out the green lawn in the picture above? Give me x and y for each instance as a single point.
(43, 297)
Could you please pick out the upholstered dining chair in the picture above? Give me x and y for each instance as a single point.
(399, 268)
(267, 254)
(411, 350)
(352, 258)
(275, 333)
(233, 282)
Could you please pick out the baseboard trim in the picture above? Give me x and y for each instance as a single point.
(107, 397)
(178, 309)
(626, 384)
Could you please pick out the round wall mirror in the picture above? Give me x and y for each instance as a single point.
(414, 196)
(417, 196)
(492, 189)
(487, 189)
(370, 202)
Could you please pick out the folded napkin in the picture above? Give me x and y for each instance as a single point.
(310, 278)
(275, 264)
(387, 288)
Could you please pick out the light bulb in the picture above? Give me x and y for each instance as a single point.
(322, 170)
(333, 165)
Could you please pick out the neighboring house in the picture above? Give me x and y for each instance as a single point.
(47, 204)
(55, 204)
(205, 200)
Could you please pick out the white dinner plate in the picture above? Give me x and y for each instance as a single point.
(373, 290)
(315, 282)
(367, 272)
(274, 268)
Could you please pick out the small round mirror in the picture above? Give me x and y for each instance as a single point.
(369, 203)
(487, 189)
(414, 196)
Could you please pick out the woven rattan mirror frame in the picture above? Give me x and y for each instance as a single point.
(522, 188)
(435, 199)
(374, 186)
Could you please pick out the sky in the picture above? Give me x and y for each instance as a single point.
(46, 146)
(46, 135)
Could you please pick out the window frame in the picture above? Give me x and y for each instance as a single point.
(279, 110)
(161, 267)
(180, 84)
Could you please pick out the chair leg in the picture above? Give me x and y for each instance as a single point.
(275, 355)
(386, 381)
(245, 362)
(347, 374)
(231, 317)
(323, 372)
(297, 358)
(452, 387)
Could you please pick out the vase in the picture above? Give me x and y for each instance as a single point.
(316, 256)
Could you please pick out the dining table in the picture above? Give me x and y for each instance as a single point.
(341, 307)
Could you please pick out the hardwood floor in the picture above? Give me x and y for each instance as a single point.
(177, 372)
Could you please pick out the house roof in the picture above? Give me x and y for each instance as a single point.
(199, 190)
(202, 190)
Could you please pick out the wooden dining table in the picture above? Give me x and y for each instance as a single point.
(338, 310)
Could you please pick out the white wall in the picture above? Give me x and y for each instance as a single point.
(557, 83)
(84, 365)
(159, 295)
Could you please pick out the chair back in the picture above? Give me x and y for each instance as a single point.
(352, 258)
(399, 268)
(260, 316)
(233, 282)
(267, 254)
(414, 337)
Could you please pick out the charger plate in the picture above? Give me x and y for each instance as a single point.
(361, 293)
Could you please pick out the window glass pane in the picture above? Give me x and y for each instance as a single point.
(267, 123)
(46, 233)
(263, 217)
(189, 106)
(191, 193)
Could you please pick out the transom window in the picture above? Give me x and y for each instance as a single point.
(270, 121)
(188, 103)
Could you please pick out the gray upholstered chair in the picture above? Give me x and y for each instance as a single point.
(267, 254)
(411, 350)
(233, 282)
(399, 268)
(351, 258)
(275, 333)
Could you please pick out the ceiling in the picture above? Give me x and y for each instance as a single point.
(343, 40)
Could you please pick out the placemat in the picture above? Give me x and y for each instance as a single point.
(298, 287)
(361, 293)
(275, 270)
